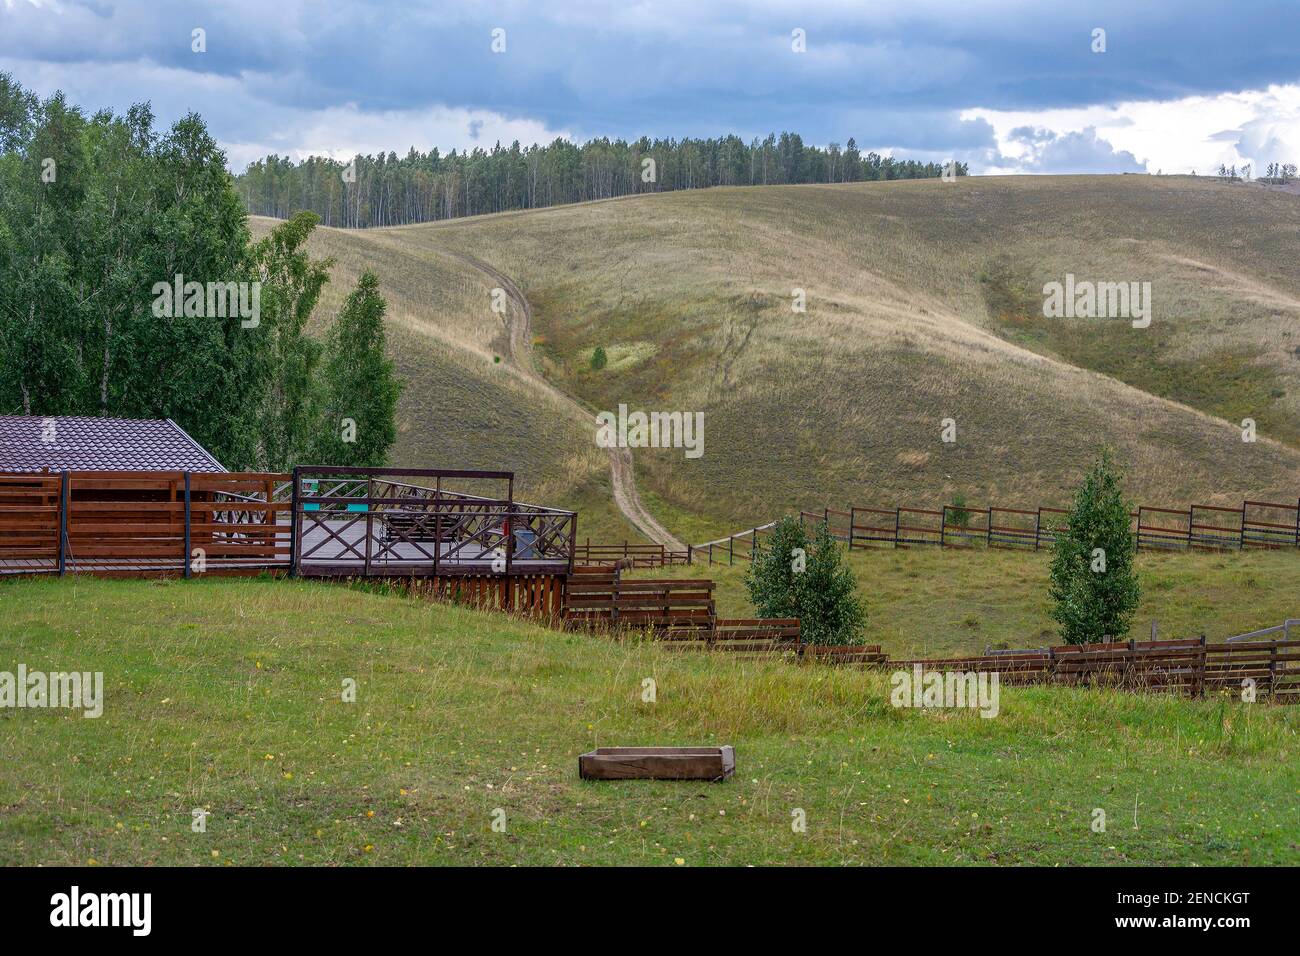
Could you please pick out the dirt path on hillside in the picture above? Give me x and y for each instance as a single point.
(622, 473)
(1240, 282)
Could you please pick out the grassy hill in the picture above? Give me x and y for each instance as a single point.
(923, 303)
(225, 696)
(465, 404)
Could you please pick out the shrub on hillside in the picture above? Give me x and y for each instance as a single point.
(598, 358)
(793, 575)
(1009, 291)
(1094, 584)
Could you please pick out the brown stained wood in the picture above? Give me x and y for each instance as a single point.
(658, 763)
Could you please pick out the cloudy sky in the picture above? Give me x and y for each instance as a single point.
(1006, 85)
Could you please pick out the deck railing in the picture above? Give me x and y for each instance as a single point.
(371, 521)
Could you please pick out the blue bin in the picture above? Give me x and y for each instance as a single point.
(525, 545)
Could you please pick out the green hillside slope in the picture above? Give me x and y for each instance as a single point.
(923, 303)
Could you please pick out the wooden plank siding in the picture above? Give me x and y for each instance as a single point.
(30, 521)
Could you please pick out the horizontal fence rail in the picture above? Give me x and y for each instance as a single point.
(629, 555)
(1190, 667)
(599, 597)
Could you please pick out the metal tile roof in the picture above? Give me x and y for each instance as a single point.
(84, 443)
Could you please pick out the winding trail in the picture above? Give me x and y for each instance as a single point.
(622, 474)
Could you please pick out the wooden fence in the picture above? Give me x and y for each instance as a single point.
(770, 637)
(628, 555)
(539, 596)
(598, 597)
(126, 523)
(681, 613)
(1191, 667)
(1256, 524)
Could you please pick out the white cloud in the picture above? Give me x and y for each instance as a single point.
(231, 103)
(343, 131)
(1178, 136)
(1044, 151)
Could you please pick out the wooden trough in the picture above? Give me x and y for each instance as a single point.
(658, 763)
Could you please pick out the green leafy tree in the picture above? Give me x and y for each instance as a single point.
(793, 575)
(387, 190)
(598, 358)
(358, 383)
(961, 515)
(97, 213)
(1094, 583)
(291, 286)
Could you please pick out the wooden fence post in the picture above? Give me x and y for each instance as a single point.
(64, 498)
(943, 528)
(1038, 526)
(1200, 671)
(852, 521)
(1241, 532)
(293, 525)
(988, 529)
(896, 523)
(613, 608)
(185, 557)
(1297, 523)
(370, 515)
(731, 550)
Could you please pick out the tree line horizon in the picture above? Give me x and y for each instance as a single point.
(385, 190)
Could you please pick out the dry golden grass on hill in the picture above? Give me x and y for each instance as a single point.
(465, 405)
(690, 295)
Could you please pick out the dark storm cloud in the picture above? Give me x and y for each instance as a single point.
(887, 77)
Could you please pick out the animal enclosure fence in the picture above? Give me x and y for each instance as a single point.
(1190, 667)
(629, 555)
(681, 614)
(1255, 524)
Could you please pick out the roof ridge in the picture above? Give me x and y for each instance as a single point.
(197, 447)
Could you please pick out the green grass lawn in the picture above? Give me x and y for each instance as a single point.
(927, 602)
(225, 695)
